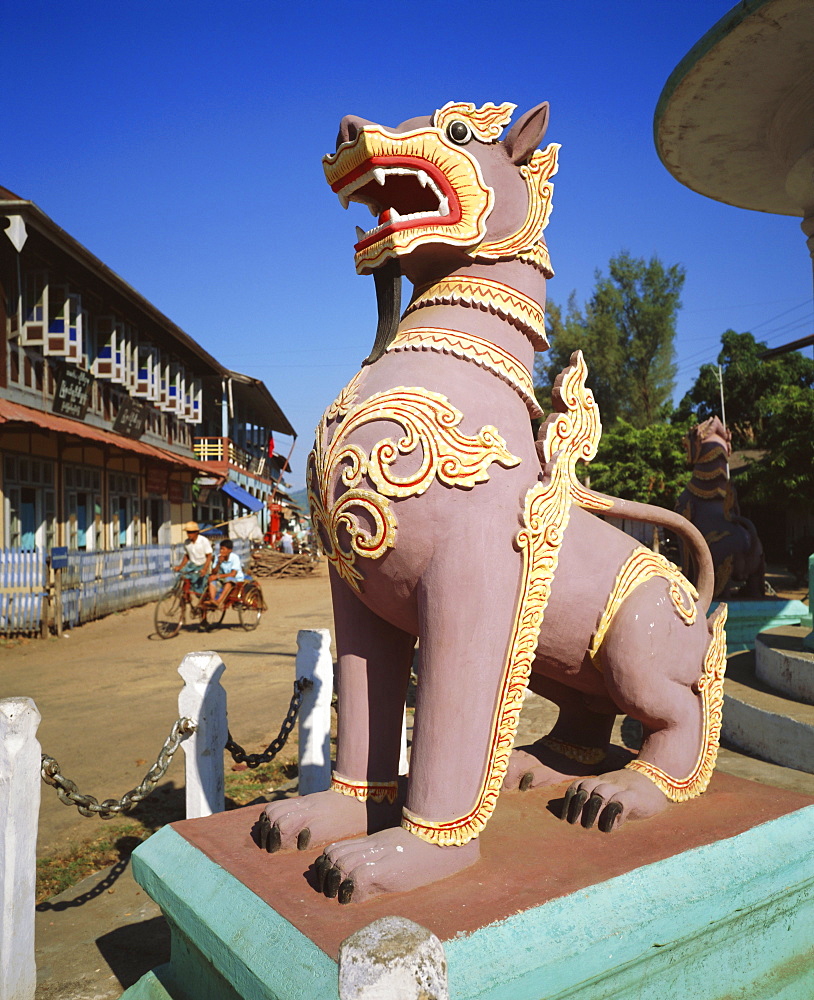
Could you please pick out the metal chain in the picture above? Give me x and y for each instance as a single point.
(89, 806)
(252, 760)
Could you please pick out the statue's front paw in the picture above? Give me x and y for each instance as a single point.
(313, 819)
(389, 861)
(610, 799)
(320, 818)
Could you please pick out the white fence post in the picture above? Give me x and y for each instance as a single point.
(392, 957)
(19, 814)
(314, 664)
(203, 700)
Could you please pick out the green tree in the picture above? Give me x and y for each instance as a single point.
(786, 473)
(641, 463)
(626, 333)
(748, 383)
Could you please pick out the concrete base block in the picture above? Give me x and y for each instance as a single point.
(713, 899)
(150, 986)
(764, 723)
(746, 618)
(783, 662)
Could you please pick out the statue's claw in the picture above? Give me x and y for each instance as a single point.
(591, 810)
(525, 781)
(346, 888)
(575, 805)
(609, 816)
(268, 834)
(321, 866)
(262, 831)
(333, 879)
(303, 839)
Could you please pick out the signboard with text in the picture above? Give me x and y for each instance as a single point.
(157, 479)
(59, 557)
(131, 419)
(72, 394)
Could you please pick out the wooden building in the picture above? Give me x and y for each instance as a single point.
(116, 427)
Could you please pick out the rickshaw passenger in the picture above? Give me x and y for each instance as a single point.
(228, 572)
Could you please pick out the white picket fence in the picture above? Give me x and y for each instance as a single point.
(23, 582)
(93, 583)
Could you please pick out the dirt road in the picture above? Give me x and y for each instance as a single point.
(108, 692)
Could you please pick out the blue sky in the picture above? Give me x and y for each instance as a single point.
(181, 143)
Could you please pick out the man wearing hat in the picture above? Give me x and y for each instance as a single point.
(197, 557)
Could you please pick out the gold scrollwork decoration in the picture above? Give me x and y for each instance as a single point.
(365, 791)
(642, 565)
(481, 352)
(571, 433)
(536, 173)
(430, 429)
(486, 122)
(519, 309)
(711, 688)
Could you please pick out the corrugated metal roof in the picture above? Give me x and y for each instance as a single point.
(17, 413)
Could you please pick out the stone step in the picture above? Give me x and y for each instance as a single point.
(784, 663)
(746, 618)
(763, 722)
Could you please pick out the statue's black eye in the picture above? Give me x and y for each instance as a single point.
(459, 132)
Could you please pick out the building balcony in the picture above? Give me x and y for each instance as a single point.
(224, 452)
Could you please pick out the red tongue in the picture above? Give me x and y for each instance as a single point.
(384, 218)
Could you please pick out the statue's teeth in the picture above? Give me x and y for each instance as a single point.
(394, 215)
(423, 178)
(343, 200)
(378, 175)
(373, 211)
(360, 234)
(443, 206)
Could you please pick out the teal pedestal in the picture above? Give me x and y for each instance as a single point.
(713, 899)
(808, 641)
(746, 618)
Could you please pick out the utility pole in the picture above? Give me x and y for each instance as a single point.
(723, 406)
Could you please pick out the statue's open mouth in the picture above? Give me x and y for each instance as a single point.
(419, 185)
(401, 192)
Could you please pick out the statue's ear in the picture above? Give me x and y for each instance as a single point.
(526, 134)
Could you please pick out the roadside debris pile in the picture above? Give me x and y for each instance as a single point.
(267, 562)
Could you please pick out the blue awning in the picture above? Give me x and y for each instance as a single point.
(238, 493)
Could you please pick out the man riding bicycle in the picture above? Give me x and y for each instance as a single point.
(197, 559)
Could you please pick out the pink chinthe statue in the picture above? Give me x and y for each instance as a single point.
(710, 501)
(445, 522)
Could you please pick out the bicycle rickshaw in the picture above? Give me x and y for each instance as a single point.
(245, 597)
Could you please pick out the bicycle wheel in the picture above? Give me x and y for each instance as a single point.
(169, 614)
(251, 607)
(249, 617)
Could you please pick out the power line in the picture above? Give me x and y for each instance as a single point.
(696, 359)
(805, 302)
